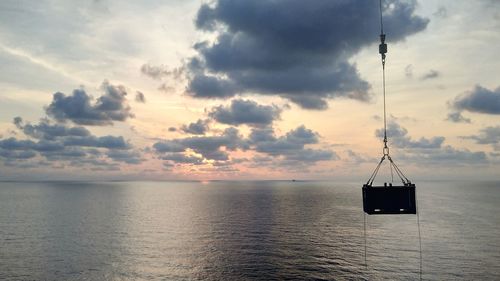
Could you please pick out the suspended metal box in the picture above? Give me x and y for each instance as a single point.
(389, 199)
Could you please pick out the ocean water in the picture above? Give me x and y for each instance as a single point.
(243, 231)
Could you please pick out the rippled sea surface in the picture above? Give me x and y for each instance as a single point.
(243, 231)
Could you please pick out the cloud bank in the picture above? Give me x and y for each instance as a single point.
(429, 150)
(52, 142)
(286, 150)
(295, 49)
(55, 145)
(488, 135)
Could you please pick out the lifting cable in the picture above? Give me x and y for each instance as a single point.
(404, 179)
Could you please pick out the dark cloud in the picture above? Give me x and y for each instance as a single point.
(432, 74)
(126, 156)
(78, 107)
(110, 142)
(10, 154)
(480, 100)
(182, 158)
(429, 150)
(203, 86)
(199, 127)
(488, 135)
(16, 163)
(208, 146)
(29, 145)
(65, 154)
(398, 136)
(457, 117)
(139, 97)
(312, 155)
(62, 144)
(447, 154)
(245, 112)
(293, 141)
(168, 146)
(172, 129)
(296, 49)
(291, 146)
(287, 150)
(47, 131)
(95, 164)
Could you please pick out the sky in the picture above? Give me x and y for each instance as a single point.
(238, 90)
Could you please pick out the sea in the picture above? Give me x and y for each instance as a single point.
(244, 230)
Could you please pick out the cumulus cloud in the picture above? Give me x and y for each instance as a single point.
(47, 131)
(199, 127)
(290, 146)
(287, 150)
(245, 112)
(429, 150)
(488, 135)
(298, 50)
(168, 146)
(80, 109)
(110, 142)
(210, 147)
(53, 142)
(448, 155)
(126, 156)
(14, 144)
(57, 144)
(10, 154)
(398, 136)
(265, 140)
(479, 100)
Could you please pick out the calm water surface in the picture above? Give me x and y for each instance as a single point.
(243, 231)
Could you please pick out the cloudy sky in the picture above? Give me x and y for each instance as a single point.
(225, 89)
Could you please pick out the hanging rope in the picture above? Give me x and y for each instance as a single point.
(419, 241)
(364, 220)
(382, 49)
(419, 237)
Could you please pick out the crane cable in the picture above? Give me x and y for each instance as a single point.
(383, 51)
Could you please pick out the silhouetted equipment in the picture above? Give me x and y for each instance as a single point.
(388, 198)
